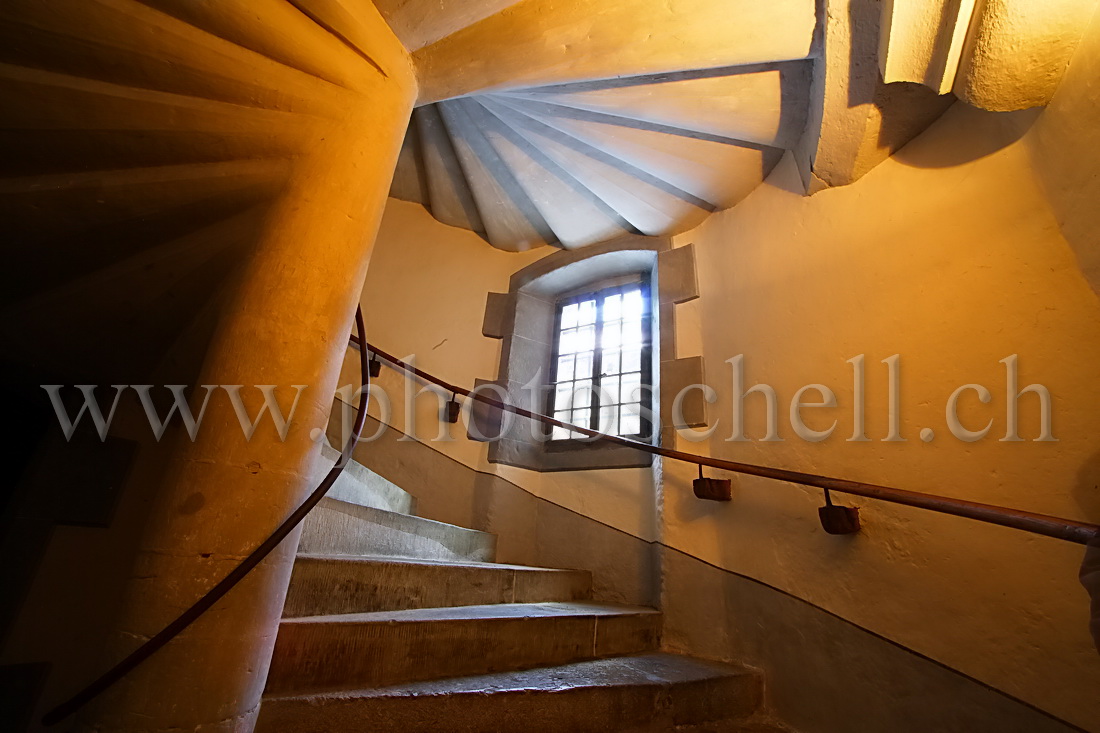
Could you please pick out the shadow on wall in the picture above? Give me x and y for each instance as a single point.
(905, 108)
(986, 133)
(1065, 151)
(1087, 494)
(1087, 491)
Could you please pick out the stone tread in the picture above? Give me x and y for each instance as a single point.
(357, 484)
(336, 584)
(374, 649)
(480, 613)
(657, 668)
(372, 559)
(336, 527)
(370, 513)
(641, 693)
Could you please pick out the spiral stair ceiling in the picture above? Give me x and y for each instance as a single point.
(578, 163)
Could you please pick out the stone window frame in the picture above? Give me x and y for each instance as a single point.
(524, 318)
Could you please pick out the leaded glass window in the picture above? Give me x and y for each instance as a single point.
(601, 367)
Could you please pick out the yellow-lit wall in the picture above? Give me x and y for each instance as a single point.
(954, 265)
(971, 244)
(951, 254)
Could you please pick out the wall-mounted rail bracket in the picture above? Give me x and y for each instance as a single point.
(374, 367)
(838, 519)
(712, 489)
(451, 410)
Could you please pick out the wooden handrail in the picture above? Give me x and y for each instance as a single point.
(212, 596)
(1041, 524)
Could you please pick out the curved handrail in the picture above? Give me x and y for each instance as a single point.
(1041, 524)
(212, 596)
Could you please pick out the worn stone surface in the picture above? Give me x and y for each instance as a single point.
(336, 527)
(357, 484)
(642, 693)
(324, 585)
(351, 651)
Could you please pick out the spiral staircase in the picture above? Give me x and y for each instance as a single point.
(146, 143)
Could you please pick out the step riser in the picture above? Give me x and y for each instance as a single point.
(591, 710)
(321, 586)
(358, 484)
(313, 657)
(363, 531)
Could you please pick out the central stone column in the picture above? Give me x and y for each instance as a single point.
(286, 323)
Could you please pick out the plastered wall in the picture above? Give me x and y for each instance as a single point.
(951, 256)
(972, 244)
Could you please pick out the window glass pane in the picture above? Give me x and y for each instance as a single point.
(613, 307)
(565, 368)
(568, 341)
(585, 339)
(612, 335)
(630, 422)
(609, 392)
(611, 362)
(631, 387)
(587, 313)
(569, 315)
(633, 307)
(582, 393)
(582, 418)
(560, 433)
(632, 360)
(563, 396)
(632, 333)
(584, 366)
(609, 420)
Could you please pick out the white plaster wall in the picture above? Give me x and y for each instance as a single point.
(949, 255)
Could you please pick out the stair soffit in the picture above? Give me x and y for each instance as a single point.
(573, 164)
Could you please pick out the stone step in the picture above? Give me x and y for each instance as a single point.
(643, 692)
(338, 527)
(325, 585)
(351, 651)
(763, 724)
(357, 484)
